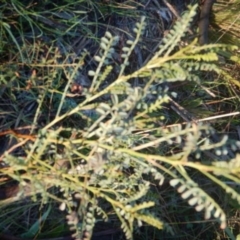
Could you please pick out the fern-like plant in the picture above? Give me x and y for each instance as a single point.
(107, 166)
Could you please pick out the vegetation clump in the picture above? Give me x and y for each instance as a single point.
(88, 137)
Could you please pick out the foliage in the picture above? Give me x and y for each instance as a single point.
(226, 19)
(106, 164)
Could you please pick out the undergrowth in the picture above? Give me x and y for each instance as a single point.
(97, 141)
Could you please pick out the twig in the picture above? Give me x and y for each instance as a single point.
(204, 21)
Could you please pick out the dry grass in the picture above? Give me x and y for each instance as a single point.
(39, 42)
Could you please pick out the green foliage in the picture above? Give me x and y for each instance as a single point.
(107, 165)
